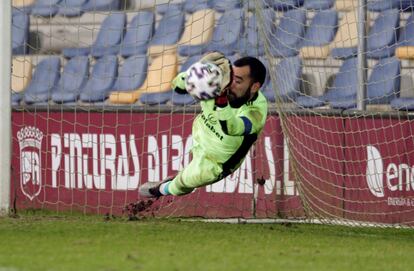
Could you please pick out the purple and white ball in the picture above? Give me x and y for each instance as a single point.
(203, 80)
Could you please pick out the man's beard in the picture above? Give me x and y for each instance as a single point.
(237, 102)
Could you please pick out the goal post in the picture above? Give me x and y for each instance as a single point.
(5, 107)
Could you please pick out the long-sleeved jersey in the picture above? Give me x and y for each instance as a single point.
(226, 134)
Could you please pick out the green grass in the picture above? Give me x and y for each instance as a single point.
(47, 242)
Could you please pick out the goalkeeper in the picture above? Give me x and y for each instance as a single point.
(225, 129)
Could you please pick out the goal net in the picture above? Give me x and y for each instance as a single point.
(94, 115)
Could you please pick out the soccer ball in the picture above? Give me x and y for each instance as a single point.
(203, 80)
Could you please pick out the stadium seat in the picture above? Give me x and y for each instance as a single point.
(288, 78)
(318, 4)
(381, 5)
(405, 45)
(285, 4)
(73, 78)
(45, 8)
(226, 34)
(222, 6)
(344, 87)
(192, 6)
(168, 33)
(319, 35)
(289, 34)
(346, 5)
(162, 8)
(382, 87)
(138, 34)
(20, 33)
(23, 5)
(21, 73)
(71, 8)
(382, 36)
(198, 32)
(132, 73)
(405, 5)
(45, 77)
(251, 43)
(403, 103)
(107, 41)
(16, 98)
(384, 82)
(101, 80)
(101, 5)
(346, 38)
(161, 72)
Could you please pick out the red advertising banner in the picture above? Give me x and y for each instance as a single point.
(358, 169)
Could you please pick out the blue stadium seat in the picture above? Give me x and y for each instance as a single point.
(44, 80)
(382, 37)
(381, 5)
(162, 8)
(384, 82)
(285, 4)
(226, 36)
(405, 5)
(289, 34)
(382, 87)
(344, 88)
(73, 78)
(169, 29)
(132, 73)
(101, 80)
(45, 8)
(403, 103)
(20, 32)
(288, 78)
(16, 97)
(101, 5)
(318, 4)
(71, 8)
(107, 41)
(222, 6)
(406, 37)
(138, 34)
(192, 6)
(252, 44)
(227, 33)
(322, 29)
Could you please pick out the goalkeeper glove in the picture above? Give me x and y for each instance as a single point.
(224, 64)
(178, 84)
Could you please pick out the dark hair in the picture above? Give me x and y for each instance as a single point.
(257, 69)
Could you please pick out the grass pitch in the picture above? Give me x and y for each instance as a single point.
(66, 242)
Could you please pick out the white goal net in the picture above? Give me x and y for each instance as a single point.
(94, 115)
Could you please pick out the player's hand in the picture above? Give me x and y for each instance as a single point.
(178, 83)
(224, 64)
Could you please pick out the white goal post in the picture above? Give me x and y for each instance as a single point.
(5, 113)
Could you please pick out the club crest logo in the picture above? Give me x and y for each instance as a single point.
(30, 143)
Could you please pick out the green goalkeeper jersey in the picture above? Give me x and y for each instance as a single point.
(225, 135)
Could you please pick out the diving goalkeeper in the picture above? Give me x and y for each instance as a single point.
(225, 129)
